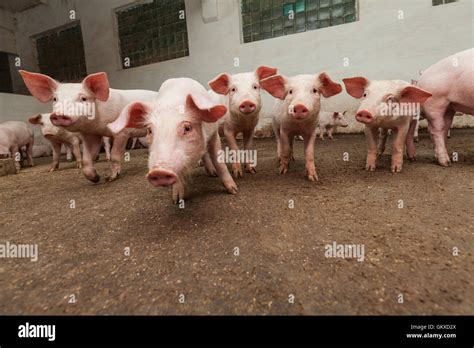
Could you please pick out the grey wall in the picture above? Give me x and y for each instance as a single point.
(380, 45)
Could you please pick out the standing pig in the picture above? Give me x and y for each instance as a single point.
(389, 104)
(58, 136)
(329, 121)
(296, 113)
(242, 98)
(182, 128)
(13, 136)
(451, 82)
(87, 108)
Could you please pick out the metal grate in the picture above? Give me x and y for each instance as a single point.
(61, 54)
(152, 32)
(265, 19)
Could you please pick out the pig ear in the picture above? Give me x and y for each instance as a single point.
(204, 107)
(98, 84)
(356, 86)
(328, 87)
(275, 85)
(132, 116)
(411, 94)
(40, 86)
(35, 119)
(220, 84)
(264, 71)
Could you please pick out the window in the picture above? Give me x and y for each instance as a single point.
(152, 32)
(265, 19)
(442, 2)
(61, 54)
(5, 76)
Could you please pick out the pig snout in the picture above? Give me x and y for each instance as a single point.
(161, 177)
(61, 120)
(247, 107)
(300, 111)
(364, 116)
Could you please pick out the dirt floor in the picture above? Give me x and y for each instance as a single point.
(190, 251)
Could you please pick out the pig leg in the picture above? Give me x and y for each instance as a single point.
(248, 139)
(417, 127)
(68, 153)
(76, 149)
(16, 155)
(91, 147)
(56, 155)
(106, 141)
(309, 139)
(330, 130)
(276, 131)
(410, 143)
(397, 148)
(371, 134)
(213, 147)
(29, 152)
(210, 169)
(434, 114)
(292, 142)
(116, 154)
(448, 121)
(322, 129)
(230, 137)
(285, 149)
(178, 190)
(383, 133)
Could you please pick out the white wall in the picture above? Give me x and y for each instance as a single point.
(379, 45)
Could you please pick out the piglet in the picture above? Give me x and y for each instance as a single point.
(329, 121)
(296, 112)
(242, 97)
(451, 81)
(181, 128)
(13, 136)
(58, 136)
(87, 108)
(386, 104)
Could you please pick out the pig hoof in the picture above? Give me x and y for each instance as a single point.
(251, 170)
(95, 178)
(112, 177)
(212, 174)
(312, 177)
(444, 163)
(396, 169)
(370, 167)
(52, 169)
(232, 189)
(292, 158)
(238, 173)
(283, 169)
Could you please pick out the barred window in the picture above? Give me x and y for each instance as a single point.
(442, 2)
(5, 75)
(265, 19)
(60, 53)
(152, 32)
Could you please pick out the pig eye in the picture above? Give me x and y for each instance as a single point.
(315, 90)
(291, 91)
(55, 99)
(187, 128)
(83, 98)
(255, 87)
(365, 94)
(233, 89)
